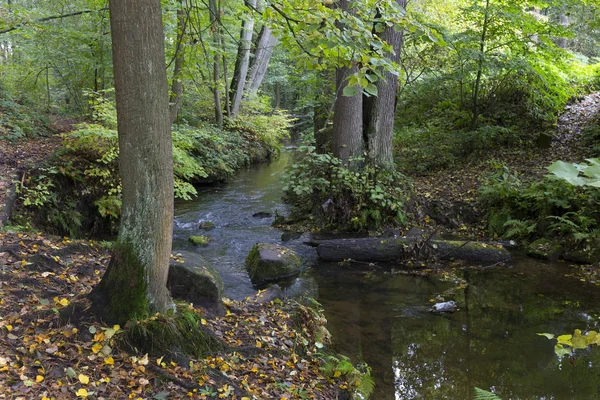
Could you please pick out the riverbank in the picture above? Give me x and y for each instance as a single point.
(40, 358)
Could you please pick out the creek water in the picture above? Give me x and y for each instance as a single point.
(382, 318)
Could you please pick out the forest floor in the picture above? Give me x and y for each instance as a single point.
(460, 184)
(40, 358)
(40, 274)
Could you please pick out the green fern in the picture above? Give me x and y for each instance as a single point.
(481, 394)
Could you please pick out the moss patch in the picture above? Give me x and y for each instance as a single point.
(121, 295)
(201, 240)
(173, 334)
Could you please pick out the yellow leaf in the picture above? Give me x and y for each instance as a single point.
(337, 374)
(109, 361)
(564, 339)
(82, 393)
(84, 379)
(39, 378)
(9, 327)
(203, 321)
(63, 302)
(97, 347)
(116, 327)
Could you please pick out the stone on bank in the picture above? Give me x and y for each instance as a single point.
(268, 262)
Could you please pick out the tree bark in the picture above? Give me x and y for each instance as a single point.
(480, 63)
(215, 21)
(265, 43)
(379, 115)
(347, 136)
(564, 21)
(134, 284)
(242, 61)
(177, 84)
(388, 249)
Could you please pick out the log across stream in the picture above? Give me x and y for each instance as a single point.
(404, 248)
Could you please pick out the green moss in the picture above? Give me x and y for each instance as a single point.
(201, 240)
(124, 287)
(175, 333)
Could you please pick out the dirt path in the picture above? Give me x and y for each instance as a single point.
(461, 183)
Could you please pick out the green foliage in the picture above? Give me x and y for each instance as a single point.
(435, 145)
(578, 174)
(481, 394)
(551, 207)
(566, 344)
(331, 195)
(18, 119)
(358, 378)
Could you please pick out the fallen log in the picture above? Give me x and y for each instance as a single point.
(409, 248)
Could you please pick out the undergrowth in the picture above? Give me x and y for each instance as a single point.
(329, 195)
(549, 208)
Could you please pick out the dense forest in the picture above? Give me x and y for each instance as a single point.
(427, 137)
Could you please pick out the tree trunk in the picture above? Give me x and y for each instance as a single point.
(322, 109)
(564, 21)
(480, 63)
(388, 249)
(215, 21)
(134, 284)
(241, 62)
(379, 115)
(265, 43)
(347, 136)
(177, 84)
(277, 95)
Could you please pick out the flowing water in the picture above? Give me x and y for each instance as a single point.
(382, 318)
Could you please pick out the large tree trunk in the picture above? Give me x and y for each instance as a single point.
(134, 284)
(265, 43)
(347, 136)
(242, 61)
(215, 21)
(379, 115)
(177, 84)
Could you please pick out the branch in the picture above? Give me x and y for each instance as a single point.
(288, 21)
(73, 14)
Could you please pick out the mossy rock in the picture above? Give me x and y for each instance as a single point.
(200, 240)
(206, 225)
(268, 262)
(588, 255)
(545, 249)
(193, 279)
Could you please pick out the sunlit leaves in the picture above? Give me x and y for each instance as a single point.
(565, 344)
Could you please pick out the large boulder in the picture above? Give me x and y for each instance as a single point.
(268, 262)
(193, 279)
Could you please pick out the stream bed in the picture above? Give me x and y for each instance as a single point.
(382, 318)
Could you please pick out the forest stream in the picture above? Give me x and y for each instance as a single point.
(383, 318)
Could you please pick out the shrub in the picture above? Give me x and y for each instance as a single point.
(551, 207)
(319, 187)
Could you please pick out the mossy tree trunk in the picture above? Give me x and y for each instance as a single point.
(134, 284)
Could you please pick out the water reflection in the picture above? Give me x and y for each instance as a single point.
(383, 319)
(491, 342)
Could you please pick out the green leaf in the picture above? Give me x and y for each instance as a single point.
(371, 89)
(561, 350)
(547, 335)
(350, 91)
(566, 171)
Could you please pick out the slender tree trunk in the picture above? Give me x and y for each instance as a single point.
(322, 110)
(177, 84)
(564, 21)
(241, 63)
(215, 21)
(347, 136)
(480, 62)
(379, 115)
(265, 43)
(134, 284)
(277, 95)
